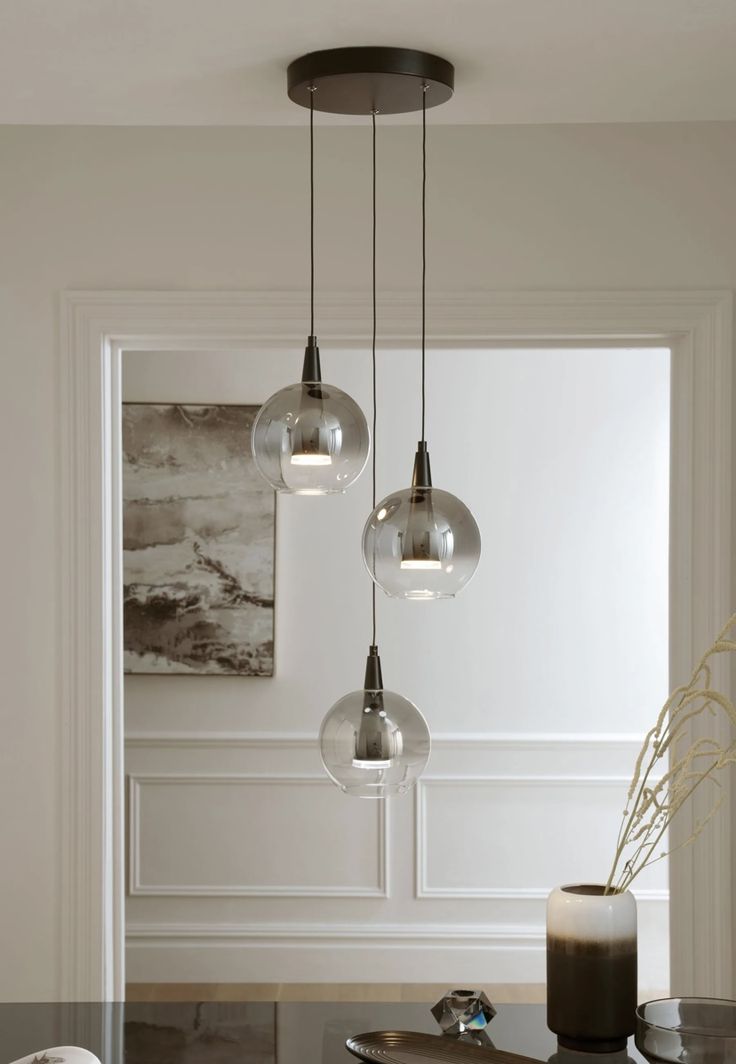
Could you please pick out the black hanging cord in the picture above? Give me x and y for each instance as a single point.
(425, 89)
(312, 91)
(373, 351)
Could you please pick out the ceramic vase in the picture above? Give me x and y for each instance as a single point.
(591, 967)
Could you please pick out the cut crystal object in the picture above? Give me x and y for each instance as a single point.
(462, 1012)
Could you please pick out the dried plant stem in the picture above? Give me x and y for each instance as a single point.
(666, 777)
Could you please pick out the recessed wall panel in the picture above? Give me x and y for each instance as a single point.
(253, 835)
(514, 837)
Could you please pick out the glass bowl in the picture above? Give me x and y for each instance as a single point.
(687, 1030)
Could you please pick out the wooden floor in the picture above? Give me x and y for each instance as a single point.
(499, 993)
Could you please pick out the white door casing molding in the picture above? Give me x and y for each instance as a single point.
(703, 876)
(97, 326)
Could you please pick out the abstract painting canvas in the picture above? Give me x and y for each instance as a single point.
(198, 542)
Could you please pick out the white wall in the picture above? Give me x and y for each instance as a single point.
(649, 206)
(563, 456)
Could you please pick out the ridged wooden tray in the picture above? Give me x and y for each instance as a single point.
(410, 1047)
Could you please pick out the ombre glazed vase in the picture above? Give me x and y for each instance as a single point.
(591, 967)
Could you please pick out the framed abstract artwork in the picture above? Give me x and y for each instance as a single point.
(198, 542)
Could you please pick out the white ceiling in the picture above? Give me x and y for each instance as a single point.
(222, 62)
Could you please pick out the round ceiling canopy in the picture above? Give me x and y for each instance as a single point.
(359, 81)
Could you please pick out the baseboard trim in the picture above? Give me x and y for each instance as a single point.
(409, 993)
(416, 993)
(369, 936)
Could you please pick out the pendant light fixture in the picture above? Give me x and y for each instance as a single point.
(421, 543)
(310, 438)
(374, 743)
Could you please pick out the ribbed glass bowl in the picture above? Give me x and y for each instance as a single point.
(687, 1030)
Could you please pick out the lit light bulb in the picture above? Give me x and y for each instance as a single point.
(423, 549)
(423, 545)
(316, 435)
(377, 742)
(311, 459)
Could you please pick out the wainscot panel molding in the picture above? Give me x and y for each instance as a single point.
(361, 821)
(467, 753)
(498, 762)
(544, 741)
(96, 327)
(458, 858)
(221, 740)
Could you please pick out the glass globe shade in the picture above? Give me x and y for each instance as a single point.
(421, 543)
(374, 744)
(310, 438)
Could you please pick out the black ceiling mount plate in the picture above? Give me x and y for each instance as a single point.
(358, 81)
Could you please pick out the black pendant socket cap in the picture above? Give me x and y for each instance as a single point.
(373, 675)
(422, 477)
(312, 371)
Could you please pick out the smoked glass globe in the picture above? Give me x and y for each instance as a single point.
(421, 543)
(374, 743)
(310, 438)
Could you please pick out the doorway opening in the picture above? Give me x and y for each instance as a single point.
(98, 327)
(542, 679)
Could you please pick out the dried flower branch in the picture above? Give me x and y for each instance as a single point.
(653, 799)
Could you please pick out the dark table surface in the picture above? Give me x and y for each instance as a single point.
(253, 1032)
